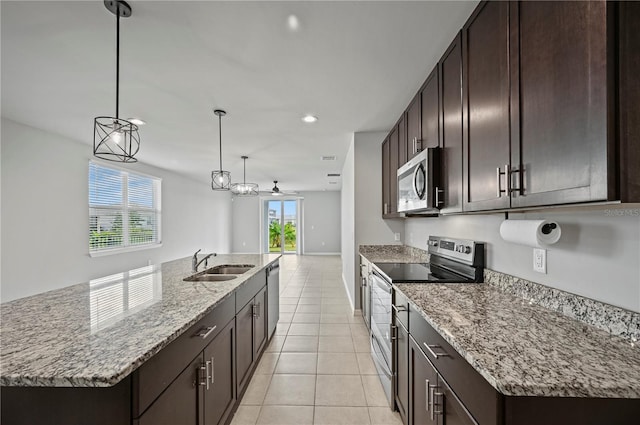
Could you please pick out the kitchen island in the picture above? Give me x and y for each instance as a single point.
(98, 335)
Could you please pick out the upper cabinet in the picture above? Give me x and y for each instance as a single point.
(534, 104)
(561, 81)
(485, 56)
(391, 153)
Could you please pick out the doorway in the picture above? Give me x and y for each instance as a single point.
(281, 226)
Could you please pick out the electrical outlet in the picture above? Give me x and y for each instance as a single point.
(540, 260)
(396, 236)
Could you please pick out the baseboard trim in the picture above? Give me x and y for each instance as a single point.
(346, 288)
(322, 253)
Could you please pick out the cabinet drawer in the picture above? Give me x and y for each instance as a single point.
(160, 370)
(480, 398)
(250, 288)
(401, 308)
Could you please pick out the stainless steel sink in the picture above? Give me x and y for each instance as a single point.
(229, 269)
(209, 278)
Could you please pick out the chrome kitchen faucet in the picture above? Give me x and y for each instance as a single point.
(195, 263)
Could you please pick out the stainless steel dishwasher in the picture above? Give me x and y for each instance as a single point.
(273, 297)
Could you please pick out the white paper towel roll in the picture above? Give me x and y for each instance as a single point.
(536, 233)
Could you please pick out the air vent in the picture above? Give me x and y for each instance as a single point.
(333, 175)
(328, 158)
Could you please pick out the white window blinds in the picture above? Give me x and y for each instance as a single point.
(124, 209)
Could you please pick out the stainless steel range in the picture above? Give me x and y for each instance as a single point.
(452, 261)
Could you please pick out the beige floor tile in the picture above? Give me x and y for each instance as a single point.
(286, 415)
(256, 390)
(365, 364)
(336, 344)
(311, 293)
(307, 344)
(326, 300)
(326, 415)
(246, 415)
(362, 344)
(306, 318)
(336, 309)
(384, 416)
(304, 329)
(339, 390)
(359, 330)
(285, 317)
(308, 308)
(293, 390)
(267, 363)
(276, 344)
(297, 363)
(309, 300)
(334, 329)
(337, 364)
(292, 292)
(333, 318)
(288, 300)
(373, 391)
(288, 308)
(282, 328)
(356, 318)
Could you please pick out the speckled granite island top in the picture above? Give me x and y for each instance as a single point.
(527, 350)
(95, 334)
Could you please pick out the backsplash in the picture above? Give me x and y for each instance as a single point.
(615, 320)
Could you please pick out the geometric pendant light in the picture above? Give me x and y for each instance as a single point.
(114, 138)
(244, 188)
(220, 179)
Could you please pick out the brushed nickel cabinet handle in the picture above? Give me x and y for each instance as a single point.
(499, 190)
(213, 370)
(433, 353)
(206, 331)
(426, 394)
(438, 192)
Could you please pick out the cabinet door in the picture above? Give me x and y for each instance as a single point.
(402, 371)
(430, 122)
(423, 381)
(403, 154)
(219, 398)
(385, 178)
(454, 411)
(451, 116)
(178, 404)
(485, 57)
(414, 129)
(259, 322)
(560, 77)
(393, 171)
(244, 345)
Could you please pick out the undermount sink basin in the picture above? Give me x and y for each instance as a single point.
(229, 269)
(209, 278)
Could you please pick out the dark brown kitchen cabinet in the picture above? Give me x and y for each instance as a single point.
(430, 114)
(423, 382)
(251, 334)
(561, 81)
(386, 194)
(414, 129)
(220, 395)
(402, 371)
(403, 153)
(451, 118)
(486, 120)
(390, 165)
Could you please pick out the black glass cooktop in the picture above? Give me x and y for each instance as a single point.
(419, 272)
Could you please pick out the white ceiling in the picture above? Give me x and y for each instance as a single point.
(355, 65)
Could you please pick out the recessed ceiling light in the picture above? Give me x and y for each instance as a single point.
(136, 121)
(293, 23)
(309, 118)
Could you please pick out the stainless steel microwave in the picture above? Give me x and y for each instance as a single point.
(419, 190)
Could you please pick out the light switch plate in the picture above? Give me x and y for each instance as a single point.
(540, 260)
(396, 236)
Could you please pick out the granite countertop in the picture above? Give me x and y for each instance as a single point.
(393, 254)
(527, 350)
(95, 334)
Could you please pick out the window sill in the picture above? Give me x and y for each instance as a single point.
(105, 252)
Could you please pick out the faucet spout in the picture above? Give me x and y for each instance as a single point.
(197, 263)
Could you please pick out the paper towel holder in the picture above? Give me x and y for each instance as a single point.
(548, 228)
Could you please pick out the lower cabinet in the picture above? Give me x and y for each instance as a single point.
(401, 368)
(252, 337)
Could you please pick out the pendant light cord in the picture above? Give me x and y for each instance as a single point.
(220, 138)
(117, 58)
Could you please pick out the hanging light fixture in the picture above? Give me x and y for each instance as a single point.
(244, 188)
(220, 179)
(114, 138)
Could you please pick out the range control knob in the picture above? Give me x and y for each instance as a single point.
(433, 243)
(467, 249)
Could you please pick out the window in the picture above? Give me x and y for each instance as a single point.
(124, 210)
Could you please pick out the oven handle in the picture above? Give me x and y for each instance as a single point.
(381, 282)
(377, 359)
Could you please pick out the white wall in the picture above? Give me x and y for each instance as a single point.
(598, 255)
(45, 217)
(321, 217)
(246, 224)
(347, 234)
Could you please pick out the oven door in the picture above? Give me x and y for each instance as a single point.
(381, 315)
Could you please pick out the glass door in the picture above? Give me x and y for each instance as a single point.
(282, 226)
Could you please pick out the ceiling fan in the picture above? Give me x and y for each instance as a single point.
(277, 192)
